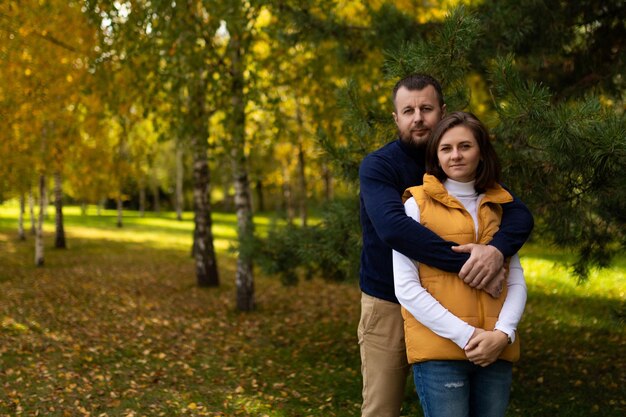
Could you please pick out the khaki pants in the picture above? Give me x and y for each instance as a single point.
(383, 357)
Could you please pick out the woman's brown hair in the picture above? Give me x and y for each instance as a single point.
(489, 171)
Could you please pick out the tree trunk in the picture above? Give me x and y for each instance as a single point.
(245, 231)
(20, 220)
(206, 262)
(39, 255)
(142, 199)
(195, 238)
(302, 195)
(156, 197)
(83, 209)
(120, 168)
(259, 195)
(120, 209)
(180, 172)
(245, 227)
(46, 203)
(31, 206)
(59, 241)
(204, 251)
(288, 196)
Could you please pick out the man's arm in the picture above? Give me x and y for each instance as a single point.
(515, 227)
(384, 207)
(485, 262)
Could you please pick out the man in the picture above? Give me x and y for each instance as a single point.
(384, 175)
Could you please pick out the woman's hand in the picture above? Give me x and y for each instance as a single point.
(484, 347)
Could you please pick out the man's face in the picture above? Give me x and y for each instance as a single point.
(417, 113)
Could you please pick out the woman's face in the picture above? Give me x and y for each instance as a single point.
(459, 154)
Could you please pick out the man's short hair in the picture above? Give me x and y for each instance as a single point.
(418, 82)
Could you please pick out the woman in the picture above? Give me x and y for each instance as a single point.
(460, 340)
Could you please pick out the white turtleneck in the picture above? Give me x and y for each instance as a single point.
(426, 309)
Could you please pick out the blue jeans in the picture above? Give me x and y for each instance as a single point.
(462, 389)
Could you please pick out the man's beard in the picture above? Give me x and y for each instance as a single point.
(410, 141)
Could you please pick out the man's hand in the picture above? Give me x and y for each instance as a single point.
(494, 287)
(484, 347)
(484, 264)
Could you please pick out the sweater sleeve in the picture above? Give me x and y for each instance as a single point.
(515, 227)
(397, 230)
(515, 302)
(419, 302)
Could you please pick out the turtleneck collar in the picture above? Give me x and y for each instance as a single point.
(460, 189)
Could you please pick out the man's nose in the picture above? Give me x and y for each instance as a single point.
(417, 116)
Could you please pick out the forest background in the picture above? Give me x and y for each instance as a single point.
(267, 107)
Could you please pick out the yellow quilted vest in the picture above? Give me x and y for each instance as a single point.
(446, 216)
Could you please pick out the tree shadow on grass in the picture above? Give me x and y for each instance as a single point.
(572, 361)
(573, 365)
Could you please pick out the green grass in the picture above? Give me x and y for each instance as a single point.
(115, 326)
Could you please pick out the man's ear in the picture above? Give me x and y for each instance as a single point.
(443, 110)
(395, 117)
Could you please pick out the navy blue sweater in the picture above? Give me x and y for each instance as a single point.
(384, 175)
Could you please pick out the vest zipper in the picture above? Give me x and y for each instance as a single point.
(481, 307)
(481, 311)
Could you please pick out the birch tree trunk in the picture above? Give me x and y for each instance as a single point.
(204, 251)
(47, 200)
(245, 227)
(180, 172)
(20, 219)
(31, 206)
(39, 255)
(59, 241)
